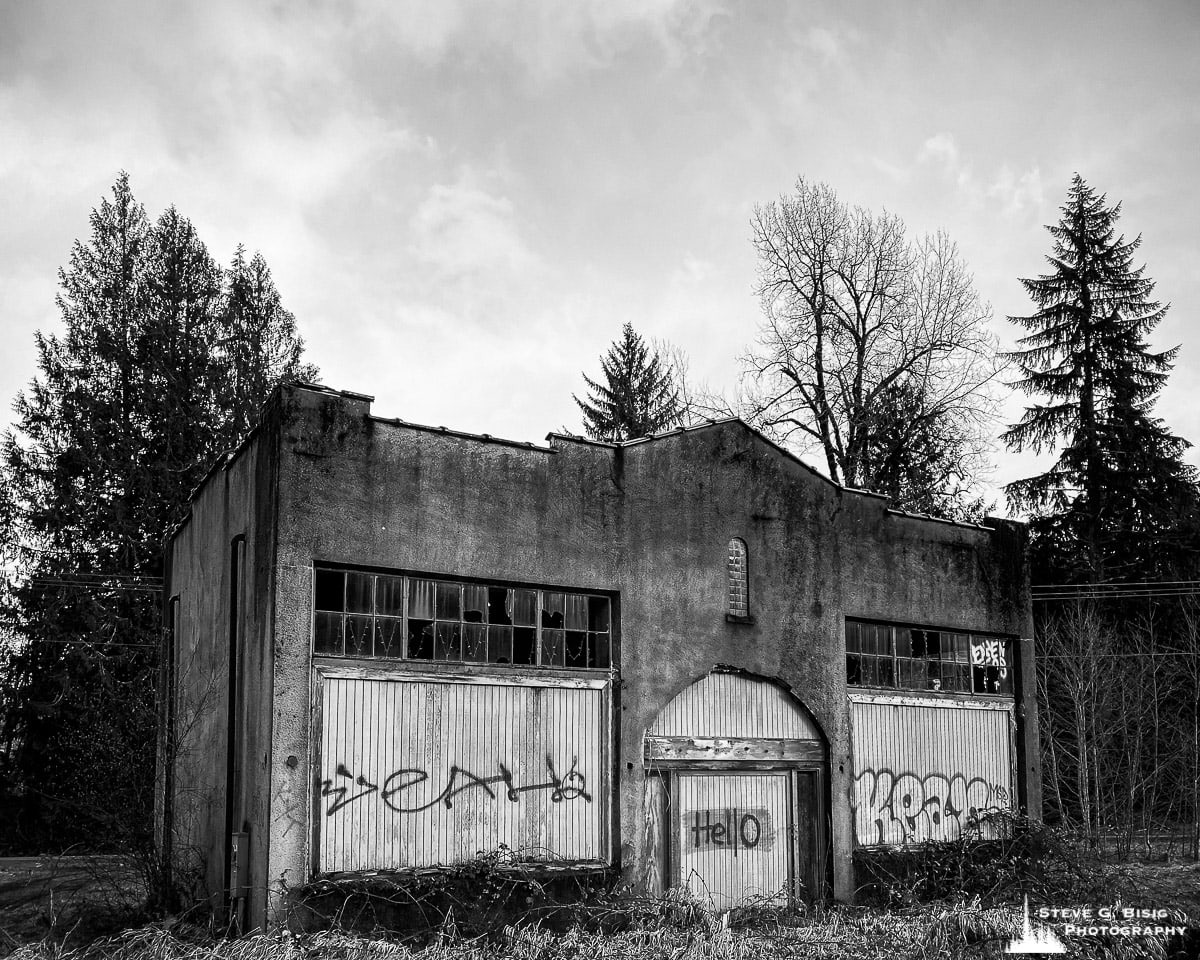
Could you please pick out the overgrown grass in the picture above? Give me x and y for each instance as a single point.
(950, 900)
(961, 930)
(1000, 860)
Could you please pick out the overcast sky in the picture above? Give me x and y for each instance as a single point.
(463, 202)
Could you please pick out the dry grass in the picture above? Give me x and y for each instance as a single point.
(963, 930)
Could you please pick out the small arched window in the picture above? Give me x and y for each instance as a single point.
(739, 582)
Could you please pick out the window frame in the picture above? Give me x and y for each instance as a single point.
(599, 650)
(733, 615)
(962, 660)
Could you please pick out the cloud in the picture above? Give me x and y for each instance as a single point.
(467, 249)
(1018, 192)
(547, 41)
(1013, 193)
(828, 44)
(941, 148)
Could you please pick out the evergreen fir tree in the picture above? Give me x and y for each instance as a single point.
(1115, 504)
(260, 346)
(913, 453)
(131, 406)
(638, 396)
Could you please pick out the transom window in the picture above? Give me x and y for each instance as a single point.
(917, 658)
(383, 616)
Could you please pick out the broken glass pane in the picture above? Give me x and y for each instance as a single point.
(497, 608)
(552, 610)
(853, 669)
(475, 603)
(933, 643)
(328, 638)
(522, 607)
(420, 639)
(919, 645)
(331, 590)
(597, 614)
(524, 645)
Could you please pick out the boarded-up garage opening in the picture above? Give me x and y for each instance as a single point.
(926, 768)
(736, 794)
(419, 771)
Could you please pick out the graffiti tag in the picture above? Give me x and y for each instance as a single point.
(572, 785)
(989, 653)
(730, 829)
(908, 808)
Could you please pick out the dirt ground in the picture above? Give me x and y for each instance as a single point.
(82, 897)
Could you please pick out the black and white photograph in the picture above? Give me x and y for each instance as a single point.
(545, 479)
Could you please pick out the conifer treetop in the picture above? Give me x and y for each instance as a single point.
(638, 395)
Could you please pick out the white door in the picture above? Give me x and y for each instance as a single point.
(733, 844)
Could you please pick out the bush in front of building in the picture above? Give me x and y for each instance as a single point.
(1000, 859)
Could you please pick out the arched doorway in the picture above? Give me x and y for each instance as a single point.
(737, 773)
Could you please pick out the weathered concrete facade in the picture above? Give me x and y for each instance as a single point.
(645, 526)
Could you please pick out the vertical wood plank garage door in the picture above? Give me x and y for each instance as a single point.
(925, 770)
(733, 836)
(425, 772)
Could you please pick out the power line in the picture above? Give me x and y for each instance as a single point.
(1115, 591)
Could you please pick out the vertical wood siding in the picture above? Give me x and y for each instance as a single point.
(420, 772)
(922, 770)
(728, 705)
(733, 836)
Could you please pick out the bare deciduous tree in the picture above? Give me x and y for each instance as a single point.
(856, 313)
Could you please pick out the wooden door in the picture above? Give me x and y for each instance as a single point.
(732, 842)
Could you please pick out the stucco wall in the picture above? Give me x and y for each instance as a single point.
(235, 501)
(650, 521)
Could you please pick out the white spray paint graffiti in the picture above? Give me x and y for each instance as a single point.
(909, 808)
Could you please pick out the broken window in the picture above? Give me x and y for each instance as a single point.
(739, 580)
(918, 658)
(369, 615)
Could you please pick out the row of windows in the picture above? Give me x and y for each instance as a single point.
(385, 616)
(377, 615)
(913, 658)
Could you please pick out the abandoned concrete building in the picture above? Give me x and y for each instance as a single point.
(687, 659)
